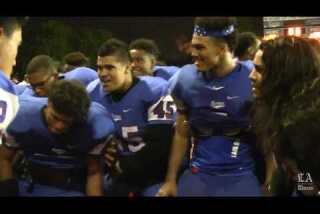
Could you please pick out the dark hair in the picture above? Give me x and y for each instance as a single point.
(300, 131)
(115, 47)
(290, 90)
(219, 24)
(76, 59)
(69, 98)
(43, 63)
(146, 45)
(245, 40)
(10, 24)
(287, 60)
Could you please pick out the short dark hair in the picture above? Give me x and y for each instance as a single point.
(146, 45)
(10, 24)
(220, 23)
(41, 63)
(245, 40)
(70, 98)
(76, 59)
(115, 47)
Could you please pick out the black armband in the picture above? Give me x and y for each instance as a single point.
(9, 187)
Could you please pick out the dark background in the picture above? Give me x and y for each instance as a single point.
(57, 36)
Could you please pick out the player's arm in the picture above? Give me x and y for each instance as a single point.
(178, 151)
(8, 184)
(94, 176)
(94, 185)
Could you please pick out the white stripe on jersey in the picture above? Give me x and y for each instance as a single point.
(8, 109)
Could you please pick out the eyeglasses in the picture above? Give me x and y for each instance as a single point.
(40, 84)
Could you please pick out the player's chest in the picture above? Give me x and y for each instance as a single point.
(128, 112)
(216, 96)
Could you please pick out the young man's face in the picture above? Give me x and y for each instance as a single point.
(256, 74)
(112, 73)
(39, 82)
(142, 63)
(206, 52)
(9, 50)
(57, 123)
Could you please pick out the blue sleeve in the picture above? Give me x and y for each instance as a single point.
(21, 122)
(21, 125)
(83, 74)
(92, 85)
(165, 72)
(101, 122)
(176, 90)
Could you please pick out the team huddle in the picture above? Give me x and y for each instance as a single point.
(137, 128)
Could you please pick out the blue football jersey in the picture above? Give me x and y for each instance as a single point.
(28, 91)
(216, 106)
(29, 132)
(248, 63)
(83, 74)
(165, 72)
(9, 104)
(145, 103)
(20, 88)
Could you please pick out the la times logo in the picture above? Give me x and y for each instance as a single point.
(305, 183)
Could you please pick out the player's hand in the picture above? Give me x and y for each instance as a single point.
(168, 189)
(110, 155)
(112, 159)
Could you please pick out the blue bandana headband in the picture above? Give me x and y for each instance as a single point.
(200, 31)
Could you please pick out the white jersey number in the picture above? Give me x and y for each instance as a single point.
(164, 109)
(135, 143)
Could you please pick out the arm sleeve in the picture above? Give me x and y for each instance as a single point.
(103, 128)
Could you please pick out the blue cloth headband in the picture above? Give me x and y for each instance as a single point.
(200, 31)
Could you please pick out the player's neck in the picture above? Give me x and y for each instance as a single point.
(118, 95)
(127, 84)
(227, 65)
